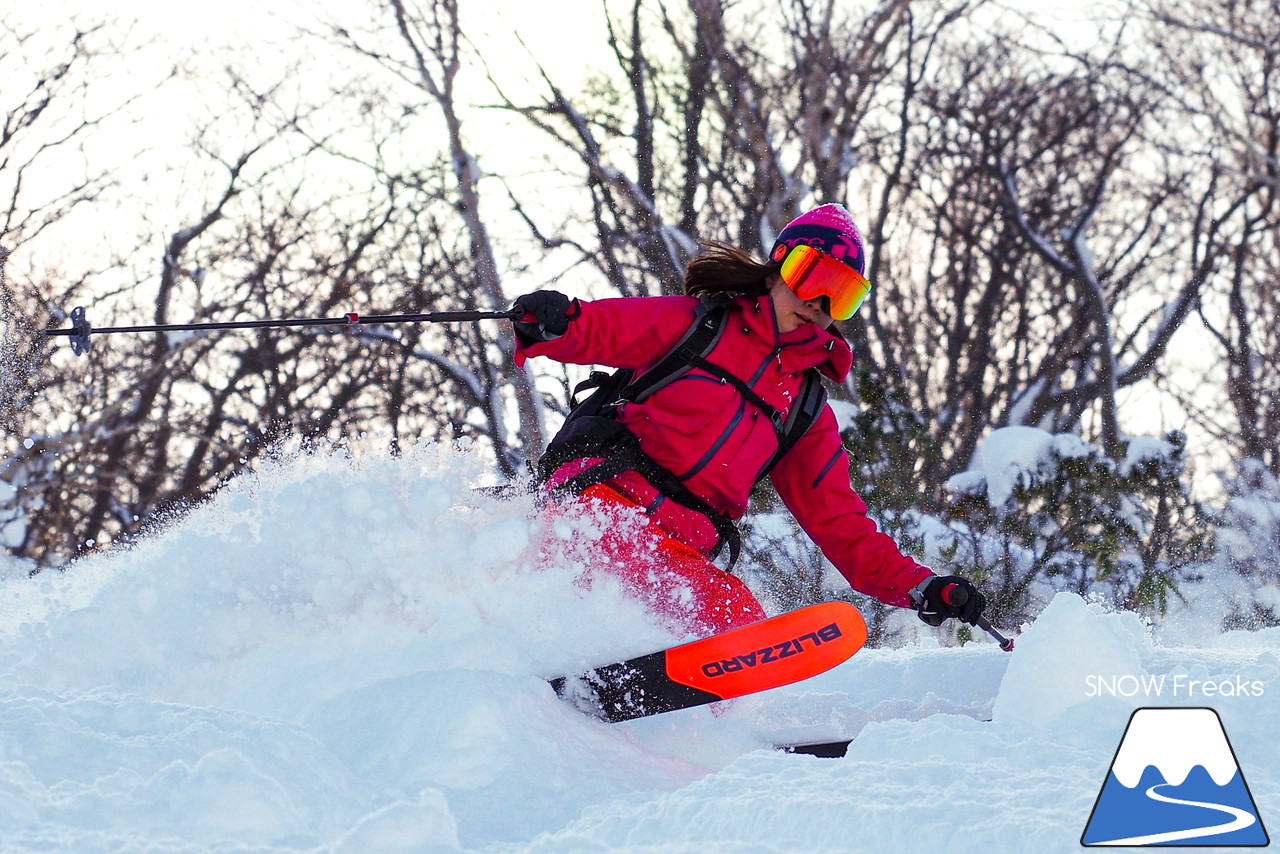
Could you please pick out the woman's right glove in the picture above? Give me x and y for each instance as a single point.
(546, 315)
(940, 597)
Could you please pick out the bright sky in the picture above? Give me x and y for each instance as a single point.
(206, 38)
(564, 35)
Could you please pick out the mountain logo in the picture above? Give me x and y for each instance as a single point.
(1175, 781)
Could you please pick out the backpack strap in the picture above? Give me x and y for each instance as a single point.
(625, 455)
(804, 412)
(700, 339)
(775, 417)
(591, 428)
(691, 351)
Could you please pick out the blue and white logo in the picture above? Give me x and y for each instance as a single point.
(1175, 781)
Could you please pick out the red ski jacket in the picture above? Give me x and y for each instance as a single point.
(702, 429)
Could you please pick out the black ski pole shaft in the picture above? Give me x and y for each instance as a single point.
(1005, 643)
(80, 330)
(956, 596)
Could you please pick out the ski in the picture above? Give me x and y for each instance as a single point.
(833, 749)
(767, 654)
(825, 749)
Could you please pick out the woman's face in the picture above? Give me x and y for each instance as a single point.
(794, 312)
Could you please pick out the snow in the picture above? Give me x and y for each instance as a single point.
(1024, 400)
(846, 414)
(346, 654)
(1015, 457)
(1144, 448)
(13, 528)
(1109, 646)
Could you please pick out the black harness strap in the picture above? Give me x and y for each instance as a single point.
(804, 412)
(700, 339)
(775, 417)
(627, 456)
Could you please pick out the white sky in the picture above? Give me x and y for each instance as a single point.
(565, 37)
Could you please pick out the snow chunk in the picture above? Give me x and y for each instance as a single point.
(968, 483)
(846, 413)
(1006, 460)
(1068, 643)
(1144, 448)
(1013, 458)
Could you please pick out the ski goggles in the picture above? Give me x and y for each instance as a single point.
(812, 273)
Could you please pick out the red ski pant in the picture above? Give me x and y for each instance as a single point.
(672, 579)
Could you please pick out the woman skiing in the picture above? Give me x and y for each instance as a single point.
(720, 387)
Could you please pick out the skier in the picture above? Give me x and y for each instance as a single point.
(684, 454)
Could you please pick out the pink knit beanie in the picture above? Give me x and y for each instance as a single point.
(831, 229)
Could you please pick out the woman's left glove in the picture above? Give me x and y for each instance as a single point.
(546, 315)
(941, 597)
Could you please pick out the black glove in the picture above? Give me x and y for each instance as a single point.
(941, 597)
(551, 312)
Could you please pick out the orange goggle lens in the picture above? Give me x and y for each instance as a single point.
(812, 273)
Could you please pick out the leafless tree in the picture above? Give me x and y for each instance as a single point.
(1030, 267)
(1011, 172)
(422, 44)
(49, 107)
(718, 123)
(158, 421)
(53, 102)
(1220, 64)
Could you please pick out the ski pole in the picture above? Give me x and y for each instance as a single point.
(955, 596)
(80, 330)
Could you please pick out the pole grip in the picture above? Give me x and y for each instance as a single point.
(955, 596)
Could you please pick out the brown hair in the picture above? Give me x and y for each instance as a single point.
(724, 268)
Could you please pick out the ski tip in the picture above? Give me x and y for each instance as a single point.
(771, 653)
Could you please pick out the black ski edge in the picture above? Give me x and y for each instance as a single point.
(630, 689)
(824, 749)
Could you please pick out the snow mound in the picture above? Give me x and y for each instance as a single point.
(1101, 645)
